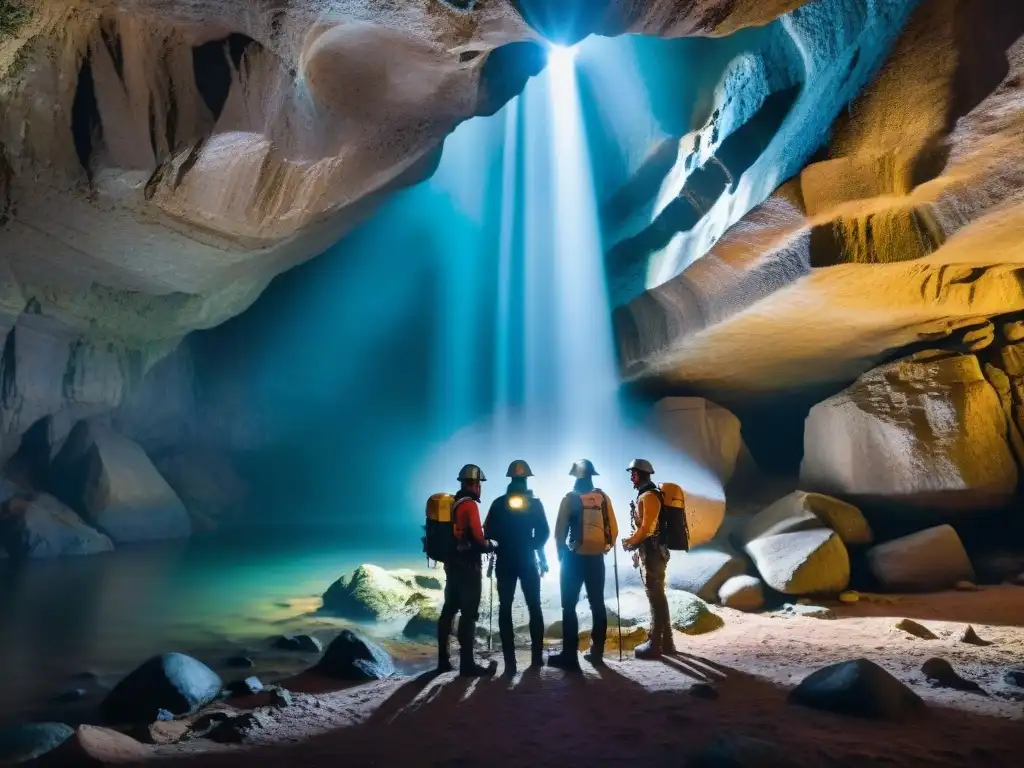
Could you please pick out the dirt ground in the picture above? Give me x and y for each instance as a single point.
(652, 712)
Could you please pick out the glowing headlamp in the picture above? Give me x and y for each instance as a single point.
(516, 502)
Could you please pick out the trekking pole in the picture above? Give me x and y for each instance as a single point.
(490, 617)
(618, 605)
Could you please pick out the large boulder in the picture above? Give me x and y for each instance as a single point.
(922, 434)
(691, 615)
(351, 657)
(90, 745)
(111, 482)
(703, 570)
(174, 682)
(43, 527)
(801, 510)
(933, 559)
(860, 688)
(793, 550)
(705, 432)
(21, 743)
(370, 594)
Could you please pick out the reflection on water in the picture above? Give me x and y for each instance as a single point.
(106, 613)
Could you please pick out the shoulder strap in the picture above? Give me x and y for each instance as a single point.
(604, 515)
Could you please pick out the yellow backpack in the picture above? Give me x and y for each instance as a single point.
(672, 526)
(439, 542)
(589, 530)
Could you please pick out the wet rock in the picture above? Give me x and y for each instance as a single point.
(351, 657)
(304, 643)
(859, 688)
(94, 746)
(43, 527)
(879, 439)
(239, 662)
(933, 559)
(737, 751)
(807, 611)
(691, 615)
(703, 570)
(743, 593)
(703, 691)
(940, 672)
(428, 582)
(20, 743)
(423, 624)
(1015, 677)
(162, 716)
(111, 482)
(911, 627)
(245, 687)
(279, 697)
(969, 636)
(370, 593)
(174, 682)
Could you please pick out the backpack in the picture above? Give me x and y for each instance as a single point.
(589, 530)
(672, 528)
(439, 541)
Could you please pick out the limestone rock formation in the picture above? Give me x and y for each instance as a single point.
(111, 482)
(370, 592)
(801, 510)
(42, 527)
(900, 230)
(705, 432)
(794, 551)
(703, 570)
(926, 432)
(932, 559)
(742, 593)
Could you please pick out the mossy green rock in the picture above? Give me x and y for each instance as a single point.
(691, 615)
(369, 594)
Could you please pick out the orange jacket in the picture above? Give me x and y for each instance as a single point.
(467, 519)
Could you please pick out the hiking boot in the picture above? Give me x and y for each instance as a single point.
(647, 651)
(594, 658)
(562, 661)
(537, 659)
(475, 670)
(510, 666)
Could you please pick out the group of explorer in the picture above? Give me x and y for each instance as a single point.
(515, 532)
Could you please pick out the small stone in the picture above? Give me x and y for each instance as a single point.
(971, 637)
(1015, 677)
(917, 630)
(239, 662)
(279, 697)
(742, 593)
(162, 715)
(703, 691)
(965, 586)
(808, 611)
(941, 672)
(166, 733)
(850, 596)
(245, 687)
(305, 643)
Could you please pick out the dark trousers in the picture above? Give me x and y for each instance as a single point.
(462, 591)
(525, 572)
(655, 556)
(577, 571)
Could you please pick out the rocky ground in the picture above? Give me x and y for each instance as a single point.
(727, 693)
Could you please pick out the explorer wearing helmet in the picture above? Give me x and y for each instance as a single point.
(519, 525)
(646, 513)
(585, 532)
(463, 580)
